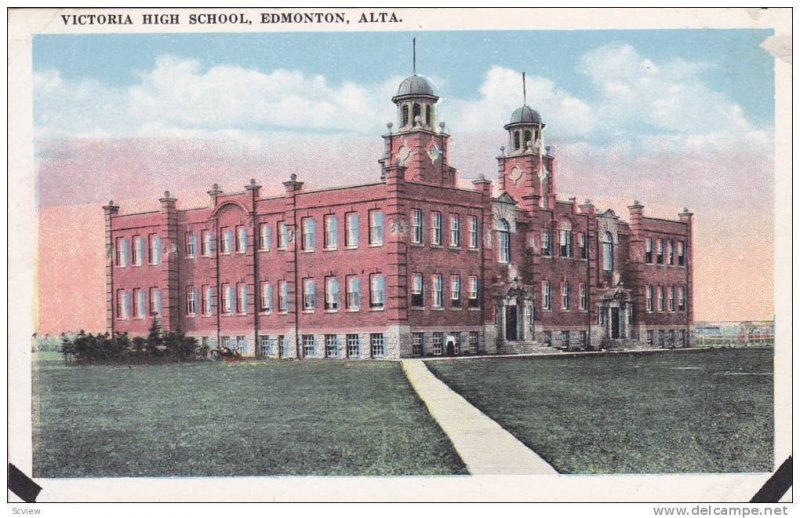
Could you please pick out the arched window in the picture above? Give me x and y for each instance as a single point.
(527, 137)
(428, 110)
(416, 113)
(504, 241)
(608, 252)
(405, 115)
(516, 140)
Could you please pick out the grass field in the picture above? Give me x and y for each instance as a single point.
(709, 411)
(215, 419)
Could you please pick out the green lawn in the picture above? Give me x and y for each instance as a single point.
(709, 411)
(215, 419)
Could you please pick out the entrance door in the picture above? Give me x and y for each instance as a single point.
(614, 322)
(511, 323)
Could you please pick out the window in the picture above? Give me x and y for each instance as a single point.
(584, 303)
(331, 232)
(671, 338)
(375, 227)
(671, 252)
(583, 245)
(416, 226)
(351, 230)
(546, 295)
(227, 299)
(282, 347)
(601, 317)
(681, 254)
(191, 301)
(264, 236)
(660, 294)
(671, 297)
(548, 338)
(455, 230)
(190, 244)
(309, 345)
(438, 301)
(565, 339)
(241, 239)
(138, 303)
(353, 346)
(474, 232)
(456, 342)
(121, 252)
(436, 228)
(565, 239)
(648, 250)
(455, 291)
(241, 344)
(283, 235)
(565, 296)
(376, 345)
(437, 340)
(309, 234)
(682, 338)
(353, 293)
(608, 252)
(204, 300)
(661, 338)
(417, 291)
(331, 346)
(474, 341)
(331, 294)
(242, 297)
(206, 243)
(547, 242)
(138, 251)
(266, 297)
(155, 249)
(472, 298)
(650, 338)
(417, 344)
(405, 115)
(659, 251)
(264, 345)
(584, 340)
(226, 240)
(681, 298)
(648, 295)
(309, 294)
(377, 292)
(155, 302)
(504, 242)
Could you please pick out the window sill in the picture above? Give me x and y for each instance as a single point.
(307, 251)
(437, 309)
(417, 245)
(351, 247)
(452, 247)
(375, 245)
(331, 311)
(377, 309)
(334, 249)
(470, 249)
(308, 311)
(265, 312)
(473, 309)
(189, 257)
(436, 246)
(352, 310)
(263, 249)
(456, 309)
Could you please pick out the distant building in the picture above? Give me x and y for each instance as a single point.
(409, 265)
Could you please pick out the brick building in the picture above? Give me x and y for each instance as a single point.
(413, 264)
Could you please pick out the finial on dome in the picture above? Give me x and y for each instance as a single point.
(252, 181)
(215, 187)
(389, 124)
(111, 202)
(166, 194)
(293, 177)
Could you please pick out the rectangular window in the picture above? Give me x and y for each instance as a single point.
(191, 301)
(660, 295)
(155, 302)
(565, 339)
(283, 235)
(584, 303)
(226, 240)
(266, 297)
(565, 242)
(456, 342)
(331, 346)
(474, 232)
(681, 254)
(264, 236)
(241, 239)
(309, 295)
(455, 291)
(227, 299)
(353, 346)
(584, 340)
(417, 344)
(436, 228)
(242, 298)
(565, 296)
(417, 291)
(377, 292)
(190, 244)
(138, 250)
(206, 243)
(648, 250)
(583, 245)
(121, 250)
(375, 227)
(309, 234)
(138, 303)
(681, 298)
(282, 347)
(650, 338)
(204, 300)
(547, 243)
(437, 341)
(548, 338)
(648, 296)
(416, 226)
(331, 294)
(546, 295)
(455, 230)
(331, 232)
(353, 293)
(671, 252)
(671, 338)
(309, 346)
(376, 345)
(474, 342)
(473, 299)
(659, 251)
(155, 249)
(351, 230)
(661, 338)
(438, 296)
(264, 345)
(241, 344)
(671, 297)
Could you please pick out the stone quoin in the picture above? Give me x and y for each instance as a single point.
(411, 265)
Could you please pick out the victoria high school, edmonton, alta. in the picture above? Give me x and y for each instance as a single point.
(410, 265)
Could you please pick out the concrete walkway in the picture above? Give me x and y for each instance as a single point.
(484, 446)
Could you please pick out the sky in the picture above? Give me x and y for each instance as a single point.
(672, 118)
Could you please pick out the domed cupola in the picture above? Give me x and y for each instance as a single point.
(525, 129)
(416, 101)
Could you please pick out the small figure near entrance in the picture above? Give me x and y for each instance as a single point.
(451, 347)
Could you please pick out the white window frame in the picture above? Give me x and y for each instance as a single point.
(264, 236)
(309, 227)
(353, 295)
(436, 228)
(266, 297)
(455, 231)
(376, 228)
(190, 244)
(438, 295)
(474, 232)
(191, 301)
(546, 295)
(417, 225)
(352, 230)
(309, 294)
(377, 291)
(331, 226)
(241, 239)
(331, 294)
(455, 290)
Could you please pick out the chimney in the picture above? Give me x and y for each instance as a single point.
(637, 213)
